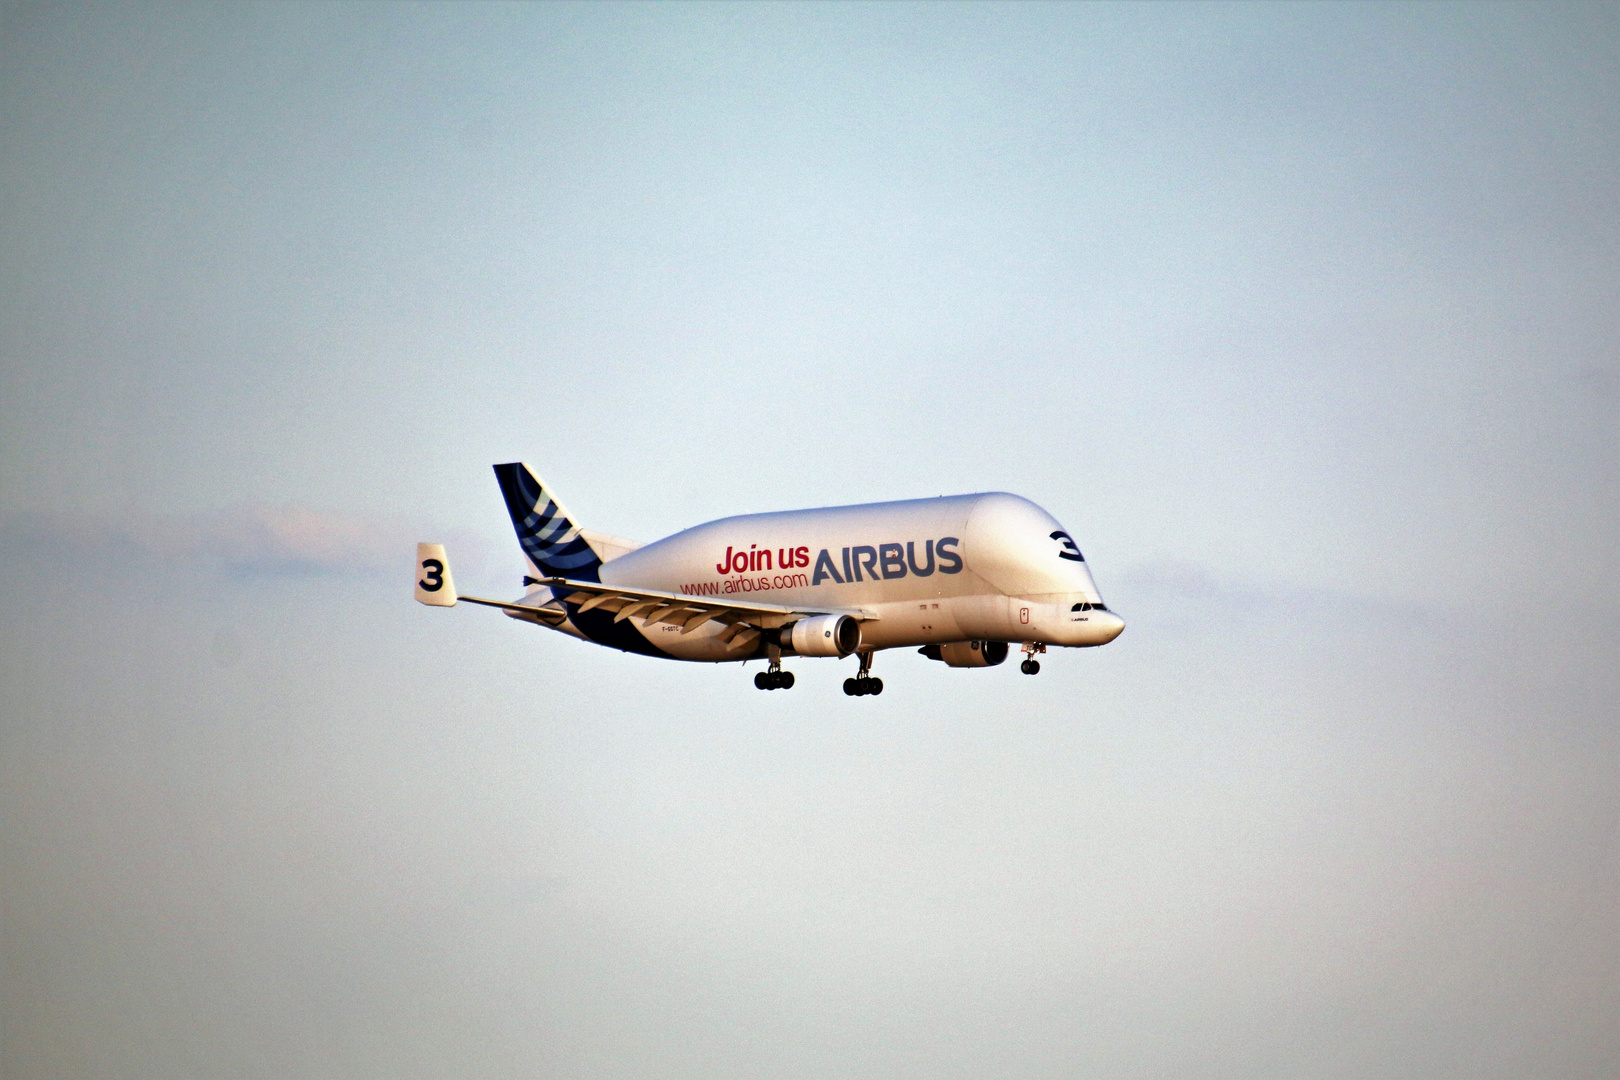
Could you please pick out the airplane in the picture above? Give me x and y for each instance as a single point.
(959, 577)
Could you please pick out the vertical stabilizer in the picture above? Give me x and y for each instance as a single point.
(549, 536)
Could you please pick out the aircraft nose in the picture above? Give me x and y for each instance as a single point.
(1110, 624)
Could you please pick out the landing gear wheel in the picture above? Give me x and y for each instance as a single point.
(863, 683)
(1030, 667)
(774, 678)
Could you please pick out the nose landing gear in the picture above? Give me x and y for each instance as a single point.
(863, 683)
(1031, 666)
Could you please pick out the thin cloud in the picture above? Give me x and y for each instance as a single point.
(252, 540)
(1186, 583)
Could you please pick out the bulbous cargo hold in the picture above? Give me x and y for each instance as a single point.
(959, 576)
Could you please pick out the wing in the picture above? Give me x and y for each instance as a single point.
(744, 620)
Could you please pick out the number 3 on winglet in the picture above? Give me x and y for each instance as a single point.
(435, 587)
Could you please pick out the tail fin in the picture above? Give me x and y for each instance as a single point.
(549, 536)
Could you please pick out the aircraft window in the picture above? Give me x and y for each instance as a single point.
(1081, 607)
(1099, 607)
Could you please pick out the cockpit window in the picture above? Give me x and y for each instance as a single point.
(1099, 607)
(1088, 607)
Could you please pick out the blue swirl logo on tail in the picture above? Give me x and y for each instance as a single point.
(550, 540)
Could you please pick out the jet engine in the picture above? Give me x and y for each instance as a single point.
(967, 653)
(821, 635)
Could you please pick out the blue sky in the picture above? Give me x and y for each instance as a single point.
(1301, 319)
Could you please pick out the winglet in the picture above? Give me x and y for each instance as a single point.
(434, 586)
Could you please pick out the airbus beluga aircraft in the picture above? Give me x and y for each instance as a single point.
(959, 577)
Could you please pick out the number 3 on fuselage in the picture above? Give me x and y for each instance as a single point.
(960, 577)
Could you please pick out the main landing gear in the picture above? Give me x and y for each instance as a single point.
(1031, 666)
(774, 678)
(863, 683)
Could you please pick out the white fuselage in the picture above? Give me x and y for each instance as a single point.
(969, 567)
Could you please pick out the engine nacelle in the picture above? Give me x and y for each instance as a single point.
(821, 635)
(967, 653)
